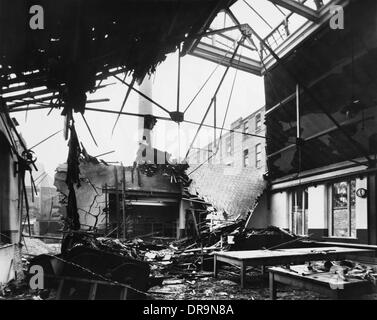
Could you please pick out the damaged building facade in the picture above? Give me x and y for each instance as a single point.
(112, 197)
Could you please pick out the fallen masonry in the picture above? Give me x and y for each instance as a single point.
(112, 250)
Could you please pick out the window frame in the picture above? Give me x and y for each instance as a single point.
(330, 211)
(246, 153)
(258, 122)
(245, 129)
(305, 207)
(256, 155)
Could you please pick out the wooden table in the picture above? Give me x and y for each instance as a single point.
(326, 283)
(263, 258)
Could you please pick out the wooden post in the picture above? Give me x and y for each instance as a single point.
(124, 202)
(272, 286)
(195, 223)
(117, 201)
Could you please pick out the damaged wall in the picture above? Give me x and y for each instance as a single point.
(233, 189)
(95, 176)
(10, 259)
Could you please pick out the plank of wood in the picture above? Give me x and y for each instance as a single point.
(255, 254)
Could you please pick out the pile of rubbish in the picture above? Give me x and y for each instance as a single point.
(182, 256)
(345, 269)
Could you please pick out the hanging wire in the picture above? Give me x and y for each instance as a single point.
(45, 139)
(142, 94)
(123, 104)
(259, 15)
(225, 116)
(217, 90)
(205, 82)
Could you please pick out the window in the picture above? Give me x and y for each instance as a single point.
(258, 122)
(258, 155)
(246, 158)
(245, 129)
(229, 144)
(299, 211)
(342, 197)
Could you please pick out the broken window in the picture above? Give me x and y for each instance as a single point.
(246, 158)
(342, 196)
(299, 211)
(258, 155)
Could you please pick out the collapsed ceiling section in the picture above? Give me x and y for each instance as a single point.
(86, 41)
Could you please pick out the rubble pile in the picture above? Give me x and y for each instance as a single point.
(344, 269)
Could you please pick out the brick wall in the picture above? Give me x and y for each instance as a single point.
(233, 189)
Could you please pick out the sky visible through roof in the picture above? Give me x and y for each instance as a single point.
(248, 96)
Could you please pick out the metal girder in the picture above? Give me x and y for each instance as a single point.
(218, 55)
(298, 8)
(218, 31)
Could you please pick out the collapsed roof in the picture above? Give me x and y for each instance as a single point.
(88, 40)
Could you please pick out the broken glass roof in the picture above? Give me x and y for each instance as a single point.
(278, 23)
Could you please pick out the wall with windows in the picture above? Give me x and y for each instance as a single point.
(235, 148)
(334, 210)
